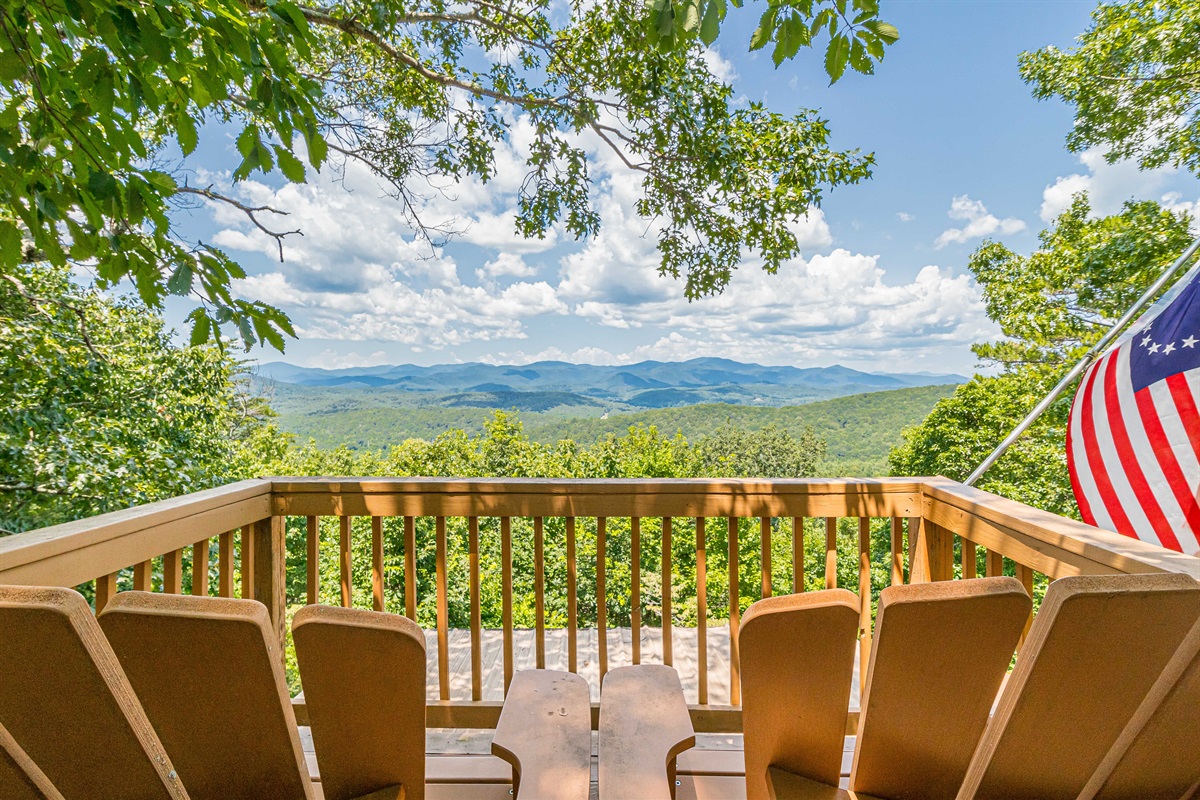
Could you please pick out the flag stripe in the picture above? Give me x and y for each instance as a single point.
(1107, 494)
(1081, 479)
(1185, 401)
(1164, 454)
(1146, 472)
(1139, 503)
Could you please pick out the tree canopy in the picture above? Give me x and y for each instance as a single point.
(1134, 80)
(100, 411)
(96, 96)
(1051, 305)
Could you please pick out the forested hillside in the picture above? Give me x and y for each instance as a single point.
(858, 430)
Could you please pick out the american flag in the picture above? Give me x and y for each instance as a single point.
(1133, 442)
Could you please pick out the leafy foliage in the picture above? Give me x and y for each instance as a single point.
(1134, 80)
(94, 94)
(857, 36)
(100, 411)
(92, 90)
(1051, 306)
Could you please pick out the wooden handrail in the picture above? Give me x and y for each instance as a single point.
(1053, 545)
(79, 551)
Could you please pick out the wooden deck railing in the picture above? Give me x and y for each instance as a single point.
(933, 529)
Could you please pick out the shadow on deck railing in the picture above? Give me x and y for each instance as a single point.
(565, 551)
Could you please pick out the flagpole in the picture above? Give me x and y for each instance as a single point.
(1084, 362)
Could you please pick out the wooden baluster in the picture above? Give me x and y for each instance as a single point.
(344, 545)
(106, 589)
(864, 601)
(735, 616)
(539, 590)
(443, 612)
(667, 585)
(601, 598)
(377, 563)
(200, 568)
(765, 535)
(701, 612)
(797, 555)
(476, 610)
(993, 564)
(572, 620)
(969, 566)
(173, 572)
(313, 567)
(635, 589)
(248, 556)
(142, 574)
(1025, 575)
(225, 564)
(410, 568)
(897, 552)
(914, 529)
(831, 552)
(506, 590)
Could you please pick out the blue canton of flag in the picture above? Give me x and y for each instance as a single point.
(1170, 343)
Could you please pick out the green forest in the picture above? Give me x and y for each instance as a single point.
(858, 431)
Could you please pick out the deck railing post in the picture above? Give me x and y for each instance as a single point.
(270, 571)
(932, 553)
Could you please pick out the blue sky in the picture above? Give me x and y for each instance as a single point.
(963, 152)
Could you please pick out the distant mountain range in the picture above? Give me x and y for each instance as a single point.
(546, 384)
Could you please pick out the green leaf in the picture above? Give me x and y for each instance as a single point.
(760, 38)
(10, 244)
(883, 30)
(860, 60)
(712, 23)
(247, 140)
(201, 327)
(318, 148)
(11, 66)
(180, 282)
(793, 34)
(185, 133)
(291, 166)
(691, 17)
(836, 56)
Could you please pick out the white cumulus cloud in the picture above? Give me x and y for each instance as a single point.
(1109, 186)
(979, 222)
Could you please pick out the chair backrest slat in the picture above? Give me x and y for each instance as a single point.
(1097, 646)
(68, 705)
(210, 676)
(940, 654)
(797, 655)
(363, 674)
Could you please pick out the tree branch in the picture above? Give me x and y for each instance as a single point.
(250, 211)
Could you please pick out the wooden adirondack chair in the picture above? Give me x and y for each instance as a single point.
(1097, 647)
(797, 656)
(363, 674)
(67, 705)
(644, 726)
(940, 654)
(209, 673)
